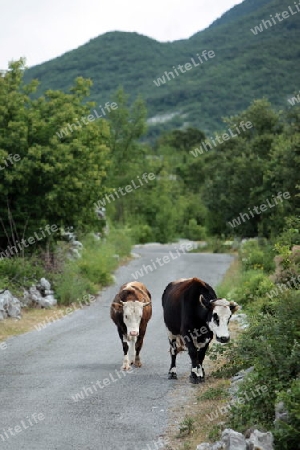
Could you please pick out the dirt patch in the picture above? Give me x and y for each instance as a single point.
(30, 317)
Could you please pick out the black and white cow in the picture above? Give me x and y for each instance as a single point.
(192, 315)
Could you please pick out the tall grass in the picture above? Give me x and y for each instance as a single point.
(94, 269)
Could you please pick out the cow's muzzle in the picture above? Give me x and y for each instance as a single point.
(134, 333)
(223, 339)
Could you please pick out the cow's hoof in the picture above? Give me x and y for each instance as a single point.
(196, 380)
(137, 361)
(172, 376)
(126, 367)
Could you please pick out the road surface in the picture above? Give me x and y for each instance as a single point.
(62, 387)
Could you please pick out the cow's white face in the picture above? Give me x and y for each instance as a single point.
(132, 314)
(219, 318)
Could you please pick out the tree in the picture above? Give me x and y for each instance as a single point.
(61, 161)
(236, 172)
(127, 125)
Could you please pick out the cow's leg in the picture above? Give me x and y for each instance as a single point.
(139, 342)
(172, 375)
(131, 350)
(138, 348)
(196, 372)
(125, 365)
(201, 356)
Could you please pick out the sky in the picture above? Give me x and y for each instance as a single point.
(41, 30)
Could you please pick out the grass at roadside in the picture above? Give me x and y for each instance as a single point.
(231, 278)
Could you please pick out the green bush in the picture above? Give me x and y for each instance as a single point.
(86, 275)
(288, 266)
(100, 258)
(71, 285)
(287, 434)
(141, 234)
(259, 255)
(253, 285)
(194, 231)
(121, 240)
(291, 233)
(20, 272)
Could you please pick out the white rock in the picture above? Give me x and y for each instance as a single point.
(77, 244)
(74, 253)
(10, 306)
(3, 314)
(281, 413)
(233, 440)
(14, 308)
(5, 299)
(45, 284)
(261, 441)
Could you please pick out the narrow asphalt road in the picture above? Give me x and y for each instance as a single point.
(42, 371)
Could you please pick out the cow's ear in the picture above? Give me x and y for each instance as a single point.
(117, 307)
(205, 303)
(233, 307)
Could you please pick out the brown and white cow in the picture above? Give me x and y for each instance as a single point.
(192, 315)
(131, 311)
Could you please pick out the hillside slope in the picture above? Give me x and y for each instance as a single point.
(246, 66)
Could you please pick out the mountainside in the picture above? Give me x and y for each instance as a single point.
(245, 66)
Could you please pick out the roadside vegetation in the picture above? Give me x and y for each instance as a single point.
(266, 284)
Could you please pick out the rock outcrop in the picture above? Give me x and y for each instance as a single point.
(40, 295)
(232, 440)
(10, 306)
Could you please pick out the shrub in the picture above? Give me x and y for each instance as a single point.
(20, 272)
(254, 284)
(291, 233)
(141, 234)
(100, 258)
(257, 255)
(287, 434)
(94, 269)
(71, 285)
(194, 231)
(288, 265)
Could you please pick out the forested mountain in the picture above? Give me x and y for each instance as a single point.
(246, 66)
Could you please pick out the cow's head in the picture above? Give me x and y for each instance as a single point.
(132, 311)
(220, 311)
